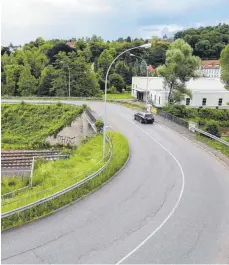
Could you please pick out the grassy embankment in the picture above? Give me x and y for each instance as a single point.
(64, 173)
(215, 144)
(26, 126)
(123, 95)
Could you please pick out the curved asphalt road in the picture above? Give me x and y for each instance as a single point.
(169, 205)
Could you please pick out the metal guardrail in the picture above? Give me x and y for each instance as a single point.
(13, 193)
(93, 119)
(173, 118)
(212, 136)
(187, 125)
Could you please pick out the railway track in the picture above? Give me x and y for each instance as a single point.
(11, 160)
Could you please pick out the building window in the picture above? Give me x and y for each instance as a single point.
(159, 100)
(204, 101)
(220, 102)
(187, 101)
(155, 98)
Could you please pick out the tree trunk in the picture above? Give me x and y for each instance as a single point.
(170, 94)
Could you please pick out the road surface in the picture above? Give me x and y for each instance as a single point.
(169, 205)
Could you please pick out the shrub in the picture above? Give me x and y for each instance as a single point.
(128, 88)
(84, 106)
(112, 90)
(214, 114)
(178, 110)
(201, 122)
(99, 125)
(58, 104)
(213, 129)
(224, 123)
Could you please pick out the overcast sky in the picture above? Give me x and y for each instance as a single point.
(25, 20)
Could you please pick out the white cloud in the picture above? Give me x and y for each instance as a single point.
(159, 30)
(24, 20)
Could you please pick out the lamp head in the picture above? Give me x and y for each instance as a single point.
(146, 45)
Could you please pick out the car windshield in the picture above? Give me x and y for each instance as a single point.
(148, 115)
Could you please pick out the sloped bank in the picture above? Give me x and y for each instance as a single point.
(120, 154)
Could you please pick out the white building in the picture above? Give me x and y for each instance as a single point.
(210, 68)
(213, 72)
(206, 92)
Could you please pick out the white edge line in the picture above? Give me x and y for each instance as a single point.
(174, 208)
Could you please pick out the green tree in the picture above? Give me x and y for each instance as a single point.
(202, 47)
(207, 42)
(83, 80)
(125, 71)
(104, 61)
(213, 128)
(156, 54)
(218, 47)
(179, 68)
(87, 54)
(27, 83)
(116, 80)
(80, 45)
(39, 41)
(97, 47)
(224, 62)
(12, 73)
(59, 84)
(45, 82)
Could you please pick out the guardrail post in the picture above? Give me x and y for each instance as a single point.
(31, 173)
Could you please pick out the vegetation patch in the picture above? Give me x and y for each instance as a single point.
(123, 95)
(214, 144)
(26, 126)
(120, 154)
(50, 177)
(10, 184)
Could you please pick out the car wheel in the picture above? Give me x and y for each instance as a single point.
(141, 121)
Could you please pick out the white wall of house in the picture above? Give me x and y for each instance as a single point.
(209, 92)
(207, 99)
(211, 72)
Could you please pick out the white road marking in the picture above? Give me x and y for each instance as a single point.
(174, 208)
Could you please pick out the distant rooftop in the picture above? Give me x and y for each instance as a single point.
(211, 64)
(71, 44)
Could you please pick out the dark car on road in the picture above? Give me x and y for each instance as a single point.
(144, 117)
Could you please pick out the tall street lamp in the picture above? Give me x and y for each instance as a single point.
(147, 70)
(147, 45)
(69, 78)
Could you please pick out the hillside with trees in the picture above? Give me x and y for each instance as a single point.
(207, 42)
(42, 67)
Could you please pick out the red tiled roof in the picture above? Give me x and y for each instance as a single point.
(71, 43)
(151, 69)
(210, 63)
